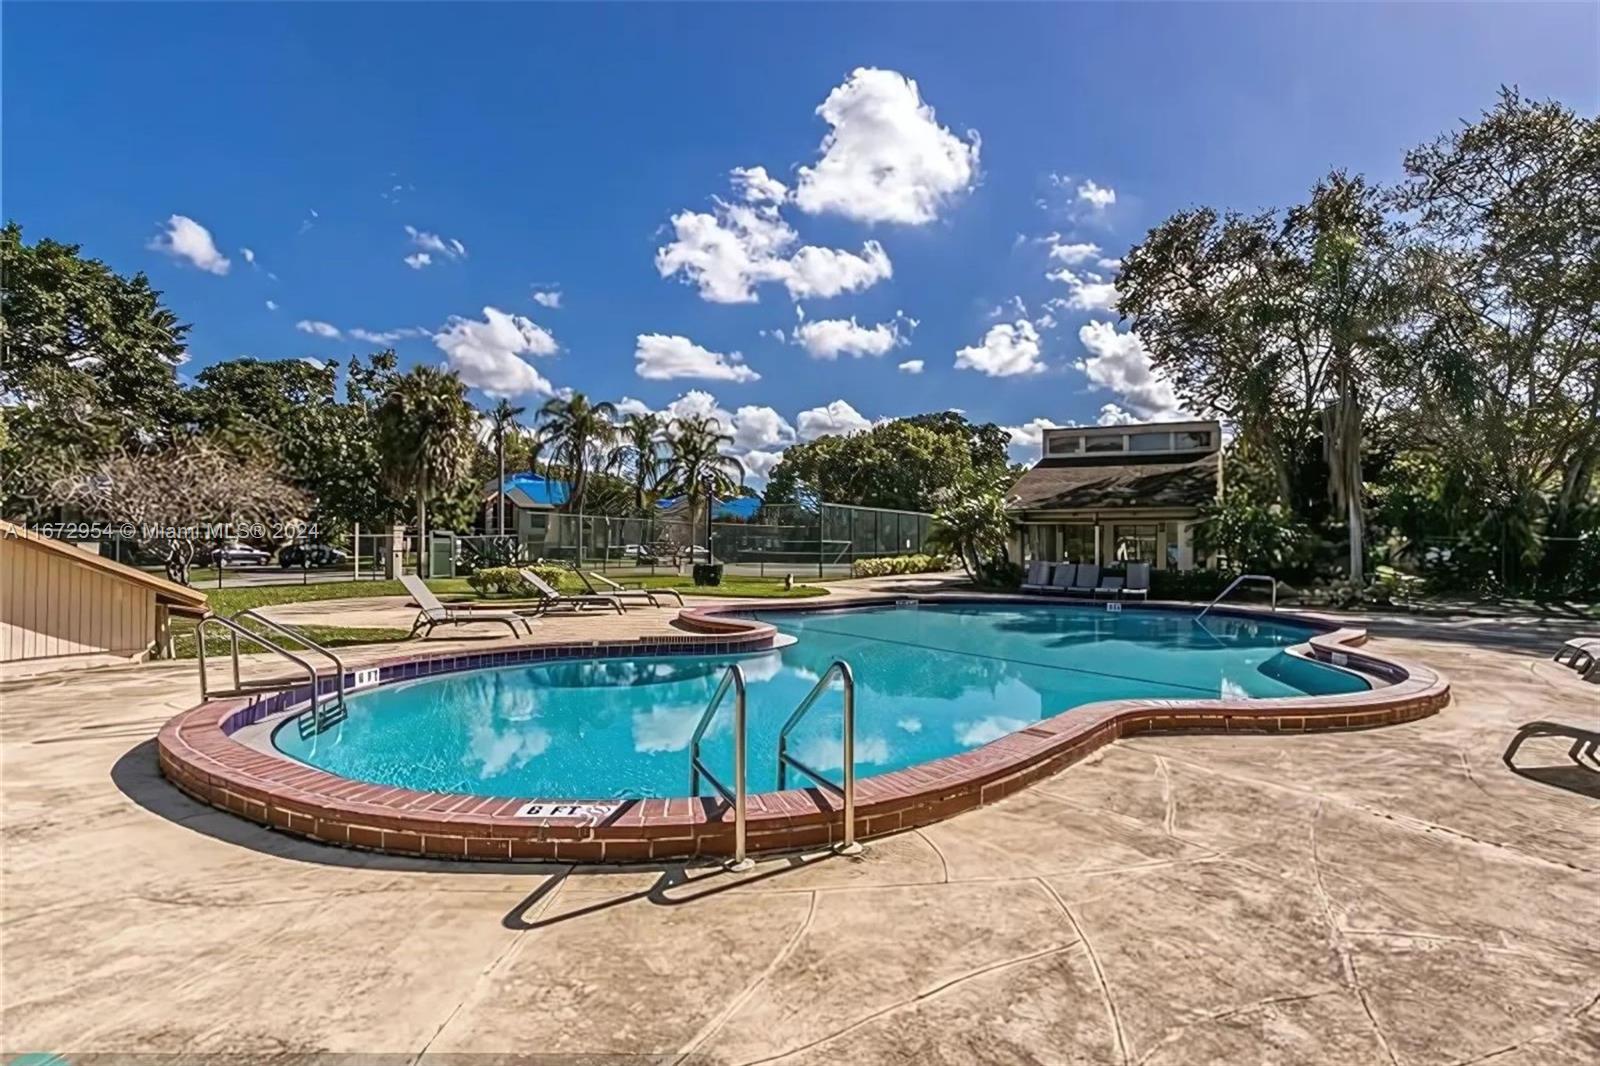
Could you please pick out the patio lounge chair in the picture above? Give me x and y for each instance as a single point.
(1087, 581)
(1580, 653)
(623, 592)
(433, 613)
(550, 598)
(1138, 583)
(1110, 587)
(1066, 574)
(1038, 577)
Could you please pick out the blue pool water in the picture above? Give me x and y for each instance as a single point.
(930, 681)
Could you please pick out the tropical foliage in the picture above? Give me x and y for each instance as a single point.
(1413, 374)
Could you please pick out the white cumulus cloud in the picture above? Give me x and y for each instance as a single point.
(1073, 253)
(1006, 350)
(387, 336)
(834, 419)
(191, 242)
(418, 260)
(736, 247)
(487, 353)
(886, 158)
(912, 366)
(658, 357)
(550, 298)
(272, 305)
(1087, 291)
(1096, 196)
(320, 329)
(829, 338)
(757, 186)
(434, 244)
(1119, 362)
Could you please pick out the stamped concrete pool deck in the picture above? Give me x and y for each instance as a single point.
(1391, 896)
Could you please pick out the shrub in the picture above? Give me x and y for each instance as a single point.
(506, 581)
(1189, 584)
(1000, 574)
(894, 565)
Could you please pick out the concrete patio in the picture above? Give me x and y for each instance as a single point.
(1391, 896)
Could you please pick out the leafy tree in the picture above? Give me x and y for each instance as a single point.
(640, 454)
(426, 438)
(696, 466)
(1508, 348)
(1285, 326)
(972, 526)
(89, 365)
(987, 444)
(579, 435)
(897, 464)
(503, 420)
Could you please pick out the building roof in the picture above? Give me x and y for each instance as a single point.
(736, 508)
(1095, 482)
(168, 592)
(531, 491)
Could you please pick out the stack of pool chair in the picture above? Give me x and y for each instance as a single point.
(1038, 578)
(1583, 655)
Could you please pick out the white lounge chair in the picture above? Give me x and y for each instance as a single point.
(1138, 583)
(433, 613)
(1065, 575)
(1038, 578)
(550, 598)
(623, 592)
(1087, 581)
(1583, 655)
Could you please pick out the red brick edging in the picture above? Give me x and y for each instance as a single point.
(200, 756)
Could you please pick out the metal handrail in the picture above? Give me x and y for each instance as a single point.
(296, 635)
(236, 630)
(1235, 583)
(848, 845)
(732, 678)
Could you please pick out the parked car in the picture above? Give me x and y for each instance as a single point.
(311, 555)
(237, 554)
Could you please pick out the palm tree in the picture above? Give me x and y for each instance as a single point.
(641, 451)
(579, 435)
(502, 418)
(425, 440)
(696, 465)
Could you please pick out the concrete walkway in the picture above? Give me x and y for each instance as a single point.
(1392, 896)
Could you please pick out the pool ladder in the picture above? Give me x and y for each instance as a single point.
(316, 718)
(738, 797)
(1235, 583)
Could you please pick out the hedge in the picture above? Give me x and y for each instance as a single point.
(894, 565)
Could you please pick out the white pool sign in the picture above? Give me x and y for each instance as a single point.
(587, 812)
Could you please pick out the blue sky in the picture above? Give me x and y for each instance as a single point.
(583, 150)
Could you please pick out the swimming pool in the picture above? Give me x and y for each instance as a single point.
(932, 680)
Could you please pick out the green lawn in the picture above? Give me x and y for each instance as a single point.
(184, 646)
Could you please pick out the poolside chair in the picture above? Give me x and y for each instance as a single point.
(1138, 583)
(433, 613)
(1066, 574)
(1087, 581)
(1110, 587)
(624, 592)
(1581, 653)
(1038, 577)
(550, 598)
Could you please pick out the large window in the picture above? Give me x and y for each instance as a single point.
(1196, 440)
(1150, 442)
(1103, 444)
(1064, 445)
(1059, 543)
(1134, 544)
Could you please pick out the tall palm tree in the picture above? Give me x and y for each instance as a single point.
(640, 451)
(579, 435)
(696, 465)
(502, 419)
(425, 440)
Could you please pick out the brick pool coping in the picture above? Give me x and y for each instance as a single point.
(199, 754)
